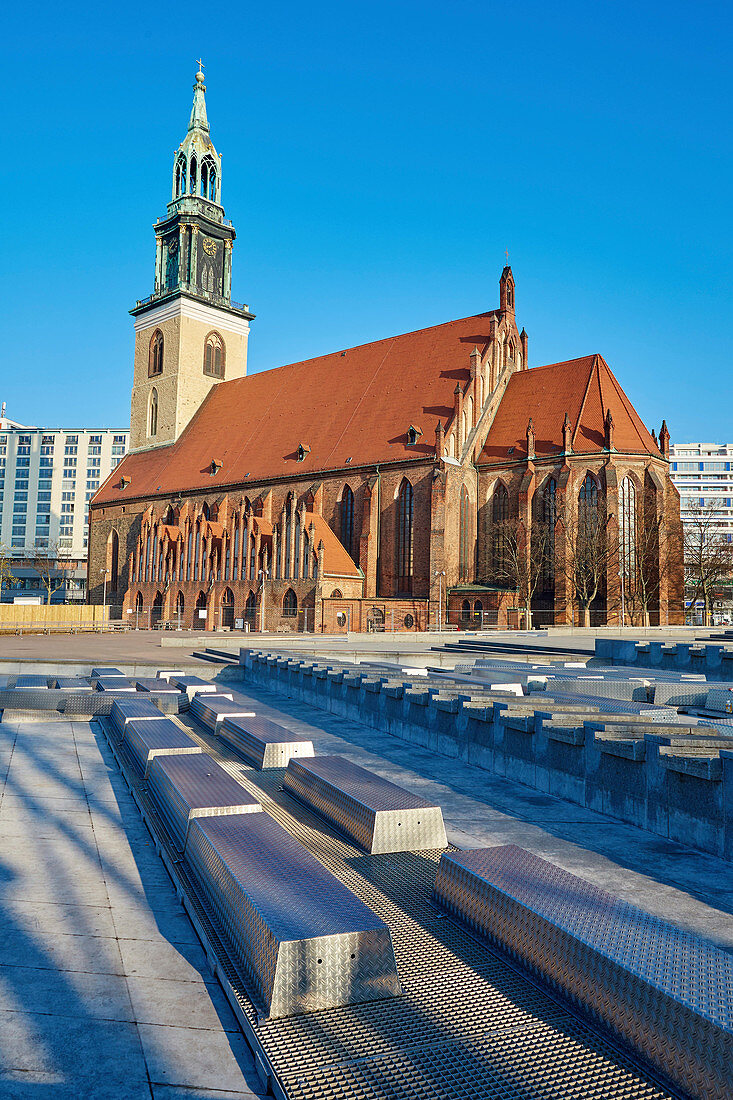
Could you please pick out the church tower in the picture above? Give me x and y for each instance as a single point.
(189, 334)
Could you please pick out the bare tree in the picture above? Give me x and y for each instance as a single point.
(521, 558)
(649, 565)
(590, 546)
(52, 565)
(708, 555)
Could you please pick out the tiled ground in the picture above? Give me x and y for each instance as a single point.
(104, 989)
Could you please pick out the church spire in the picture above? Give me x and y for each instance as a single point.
(198, 120)
(197, 165)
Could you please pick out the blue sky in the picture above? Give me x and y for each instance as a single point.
(377, 161)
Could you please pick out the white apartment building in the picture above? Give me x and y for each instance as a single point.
(47, 478)
(703, 475)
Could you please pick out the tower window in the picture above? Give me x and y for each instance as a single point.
(155, 356)
(181, 176)
(153, 415)
(214, 355)
(193, 175)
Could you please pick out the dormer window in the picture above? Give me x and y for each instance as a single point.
(124, 482)
(302, 451)
(413, 434)
(215, 466)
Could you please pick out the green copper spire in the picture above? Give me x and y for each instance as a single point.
(197, 165)
(198, 120)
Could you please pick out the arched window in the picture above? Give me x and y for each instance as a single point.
(204, 178)
(156, 611)
(337, 594)
(181, 176)
(252, 558)
(296, 550)
(189, 548)
(290, 604)
(544, 507)
(153, 413)
(193, 175)
(465, 611)
(306, 556)
(214, 355)
(404, 538)
(155, 354)
(478, 611)
(347, 520)
(205, 510)
(465, 555)
(227, 608)
(139, 603)
(212, 184)
(199, 619)
(499, 521)
(627, 507)
(250, 608)
(588, 495)
(113, 554)
(180, 605)
(171, 262)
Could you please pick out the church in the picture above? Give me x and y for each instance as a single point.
(422, 479)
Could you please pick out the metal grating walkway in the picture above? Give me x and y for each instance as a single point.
(469, 1025)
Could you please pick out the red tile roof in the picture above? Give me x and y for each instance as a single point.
(585, 389)
(355, 404)
(336, 560)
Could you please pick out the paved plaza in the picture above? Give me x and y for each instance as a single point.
(104, 988)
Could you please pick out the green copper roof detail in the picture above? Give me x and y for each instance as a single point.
(198, 120)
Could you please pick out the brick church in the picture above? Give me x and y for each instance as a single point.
(386, 486)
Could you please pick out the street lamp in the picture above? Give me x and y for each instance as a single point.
(440, 573)
(263, 573)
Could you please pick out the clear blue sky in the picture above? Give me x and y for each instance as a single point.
(377, 161)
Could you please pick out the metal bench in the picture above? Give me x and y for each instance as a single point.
(190, 786)
(147, 739)
(664, 991)
(126, 709)
(211, 710)
(378, 815)
(263, 743)
(301, 936)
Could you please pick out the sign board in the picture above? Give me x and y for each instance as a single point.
(202, 613)
(239, 624)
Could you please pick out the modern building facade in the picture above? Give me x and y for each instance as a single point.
(363, 488)
(703, 474)
(47, 478)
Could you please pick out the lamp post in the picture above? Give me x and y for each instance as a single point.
(440, 573)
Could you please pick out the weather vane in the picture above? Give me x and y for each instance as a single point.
(506, 253)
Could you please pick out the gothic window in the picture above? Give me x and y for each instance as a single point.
(252, 558)
(465, 611)
(499, 520)
(544, 520)
(155, 354)
(404, 538)
(181, 176)
(296, 551)
(193, 175)
(214, 355)
(113, 553)
(212, 184)
(171, 263)
(306, 555)
(627, 502)
(153, 413)
(250, 608)
(189, 547)
(139, 603)
(204, 178)
(588, 495)
(464, 537)
(180, 604)
(205, 510)
(290, 604)
(347, 520)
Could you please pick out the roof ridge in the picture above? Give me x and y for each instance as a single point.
(585, 397)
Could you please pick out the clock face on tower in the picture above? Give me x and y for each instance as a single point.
(210, 265)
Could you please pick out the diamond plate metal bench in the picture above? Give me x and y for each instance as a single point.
(300, 935)
(211, 710)
(263, 743)
(113, 683)
(191, 786)
(378, 815)
(194, 685)
(126, 709)
(154, 684)
(147, 739)
(100, 672)
(667, 993)
(72, 683)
